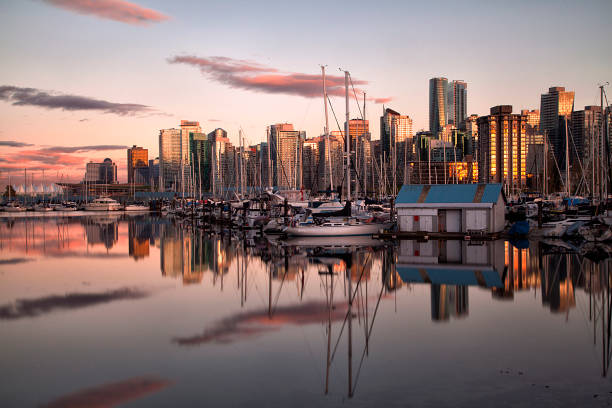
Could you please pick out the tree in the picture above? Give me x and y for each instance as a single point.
(6, 191)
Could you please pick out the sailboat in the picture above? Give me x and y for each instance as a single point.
(14, 206)
(339, 222)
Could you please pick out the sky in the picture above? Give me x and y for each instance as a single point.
(83, 79)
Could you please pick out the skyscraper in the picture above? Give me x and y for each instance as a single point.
(136, 157)
(503, 148)
(555, 108)
(286, 152)
(456, 103)
(101, 173)
(188, 127)
(438, 94)
(311, 164)
(585, 131)
(201, 153)
(333, 152)
(169, 159)
(154, 173)
(222, 163)
(394, 127)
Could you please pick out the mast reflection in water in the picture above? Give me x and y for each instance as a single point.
(436, 322)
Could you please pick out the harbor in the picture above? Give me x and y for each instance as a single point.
(305, 204)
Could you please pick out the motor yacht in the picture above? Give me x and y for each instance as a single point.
(103, 204)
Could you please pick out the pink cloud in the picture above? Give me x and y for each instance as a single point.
(111, 394)
(252, 76)
(221, 65)
(67, 160)
(380, 100)
(117, 10)
(242, 326)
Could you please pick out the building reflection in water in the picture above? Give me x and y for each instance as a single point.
(189, 255)
(450, 267)
(538, 266)
(140, 232)
(101, 231)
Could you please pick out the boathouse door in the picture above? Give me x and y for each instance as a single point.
(449, 220)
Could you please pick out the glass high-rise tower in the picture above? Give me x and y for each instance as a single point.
(169, 159)
(556, 107)
(438, 89)
(456, 111)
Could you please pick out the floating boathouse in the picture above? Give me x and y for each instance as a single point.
(451, 208)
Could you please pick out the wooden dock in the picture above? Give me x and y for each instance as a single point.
(426, 236)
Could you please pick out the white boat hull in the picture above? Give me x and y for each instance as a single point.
(334, 242)
(104, 207)
(136, 208)
(14, 209)
(338, 231)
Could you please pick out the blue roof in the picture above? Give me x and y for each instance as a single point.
(449, 276)
(409, 193)
(491, 193)
(448, 193)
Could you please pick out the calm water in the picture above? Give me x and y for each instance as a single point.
(140, 311)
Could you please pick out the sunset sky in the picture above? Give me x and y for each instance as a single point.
(83, 79)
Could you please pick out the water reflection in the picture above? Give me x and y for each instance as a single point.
(346, 289)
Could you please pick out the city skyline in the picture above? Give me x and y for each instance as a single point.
(96, 78)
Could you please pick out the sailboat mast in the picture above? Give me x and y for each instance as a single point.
(200, 176)
(213, 164)
(365, 163)
(545, 181)
(347, 137)
(328, 151)
(241, 169)
(567, 163)
(269, 159)
(602, 135)
(394, 156)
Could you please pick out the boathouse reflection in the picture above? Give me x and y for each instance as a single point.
(450, 267)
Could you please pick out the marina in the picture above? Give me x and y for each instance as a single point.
(183, 223)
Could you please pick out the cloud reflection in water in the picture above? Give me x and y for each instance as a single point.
(245, 325)
(35, 307)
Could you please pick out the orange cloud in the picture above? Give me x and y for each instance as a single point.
(117, 10)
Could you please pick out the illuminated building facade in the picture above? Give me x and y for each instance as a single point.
(555, 108)
(169, 159)
(286, 152)
(438, 89)
(456, 103)
(136, 157)
(503, 148)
